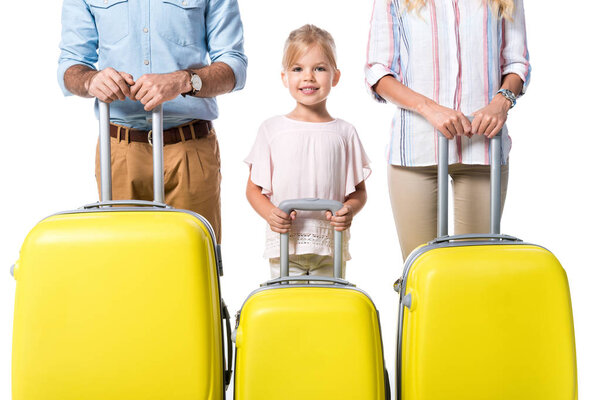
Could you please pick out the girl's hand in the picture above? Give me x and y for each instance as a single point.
(490, 119)
(449, 122)
(342, 218)
(279, 221)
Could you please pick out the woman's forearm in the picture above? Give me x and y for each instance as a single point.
(402, 96)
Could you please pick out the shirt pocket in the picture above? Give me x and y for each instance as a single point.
(182, 21)
(112, 19)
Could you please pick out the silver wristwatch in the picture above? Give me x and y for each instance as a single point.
(508, 95)
(195, 82)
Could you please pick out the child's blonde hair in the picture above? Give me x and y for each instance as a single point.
(504, 8)
(301, 39)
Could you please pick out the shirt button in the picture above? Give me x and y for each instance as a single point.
(145, 30)
(146, 62)
(105, 1)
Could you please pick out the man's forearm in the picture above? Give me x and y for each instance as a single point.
(77, 79)
(217, 78)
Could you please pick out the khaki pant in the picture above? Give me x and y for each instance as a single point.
(192, 175)
(306, 264)
(413, 194)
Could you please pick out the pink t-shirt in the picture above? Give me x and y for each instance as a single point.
(295, 159)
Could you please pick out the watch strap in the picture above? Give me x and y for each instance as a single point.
(193, 91)
(508, 95)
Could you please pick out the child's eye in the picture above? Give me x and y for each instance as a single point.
(296, 69)
(320, 69)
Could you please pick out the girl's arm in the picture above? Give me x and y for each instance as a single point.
(446, 120)
(355, 201)
(279, 221)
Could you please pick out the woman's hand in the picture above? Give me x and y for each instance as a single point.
(279, 221)
(449, 122)
(342, 218)
(490, 119)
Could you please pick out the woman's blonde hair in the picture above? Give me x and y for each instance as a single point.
(301, 39)
(502, 7)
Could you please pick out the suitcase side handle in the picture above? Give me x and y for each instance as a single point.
(310, 205)
(137, 203)
(228, 371)
(157, 153)
(475, 236)
(495, 183)
(325, 279)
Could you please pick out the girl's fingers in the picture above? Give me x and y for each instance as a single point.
(342, 211)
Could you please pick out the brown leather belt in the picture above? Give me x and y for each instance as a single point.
(194, 130)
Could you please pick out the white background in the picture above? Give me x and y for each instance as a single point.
(48, 144)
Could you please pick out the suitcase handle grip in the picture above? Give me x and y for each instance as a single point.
(495, 183)
(476, 236)
(307, 278)
(288, 206)
(157, 153)
(138, 203)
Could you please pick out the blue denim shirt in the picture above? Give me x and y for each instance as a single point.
(153, 36)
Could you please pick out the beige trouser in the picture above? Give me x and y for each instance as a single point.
(413, 194)
(307, 264)
(192, 175)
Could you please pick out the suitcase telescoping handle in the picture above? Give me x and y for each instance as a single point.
(157, 153)
(495, 175)
(288, 206)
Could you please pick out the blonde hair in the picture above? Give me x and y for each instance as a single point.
(303, 38)
(504, 8)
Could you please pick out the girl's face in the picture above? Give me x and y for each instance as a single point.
(311, 77)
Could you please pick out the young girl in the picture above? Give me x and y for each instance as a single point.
(307, 154)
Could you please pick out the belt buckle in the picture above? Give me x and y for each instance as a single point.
(150, 136)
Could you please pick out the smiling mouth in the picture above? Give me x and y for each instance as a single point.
(308, 90)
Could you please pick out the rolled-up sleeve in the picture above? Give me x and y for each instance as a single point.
(225, 38)
(381, 51)
(514, 52)
(79, 39)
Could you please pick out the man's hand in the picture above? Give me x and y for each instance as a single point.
(342, 218)
(279, 221)
(154, 89)
(109, 85)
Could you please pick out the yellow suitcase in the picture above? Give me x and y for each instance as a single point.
(317, 341)
(484, 317)
(119, 303)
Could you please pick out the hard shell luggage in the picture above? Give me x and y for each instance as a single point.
(319, 339)
(483, 316)
(120, 303)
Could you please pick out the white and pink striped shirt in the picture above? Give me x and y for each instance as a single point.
(454, 52)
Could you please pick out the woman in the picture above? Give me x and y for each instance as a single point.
(450, 66)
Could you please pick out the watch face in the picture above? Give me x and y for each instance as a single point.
(196, 82)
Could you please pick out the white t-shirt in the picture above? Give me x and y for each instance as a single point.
(294, 159)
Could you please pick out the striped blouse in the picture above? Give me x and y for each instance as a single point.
(454, 52)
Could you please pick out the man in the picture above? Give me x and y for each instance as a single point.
(183, 52)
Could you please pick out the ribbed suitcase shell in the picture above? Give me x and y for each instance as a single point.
(119, 305)
(486, 320)
(309, 342)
